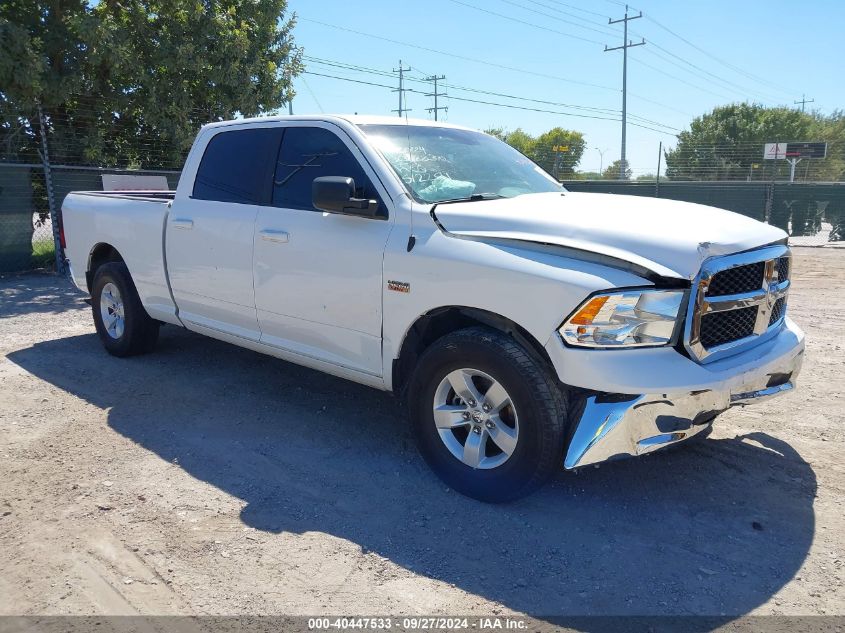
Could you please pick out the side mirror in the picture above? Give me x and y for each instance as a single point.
(336, 194)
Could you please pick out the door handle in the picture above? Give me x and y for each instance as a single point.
(186, 224)
(270, 235)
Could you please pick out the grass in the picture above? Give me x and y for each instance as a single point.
(44, 254)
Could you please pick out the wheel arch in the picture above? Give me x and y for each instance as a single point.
(438, 322)
(102, 253)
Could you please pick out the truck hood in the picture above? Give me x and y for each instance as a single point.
(668, 237)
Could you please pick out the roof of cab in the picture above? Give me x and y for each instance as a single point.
(355, 119)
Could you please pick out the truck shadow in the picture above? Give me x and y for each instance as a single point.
(713, 528)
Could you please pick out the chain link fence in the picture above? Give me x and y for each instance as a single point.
(813, 214)
(46, 154)
(28, 238)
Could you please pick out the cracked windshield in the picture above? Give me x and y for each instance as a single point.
(439, 164)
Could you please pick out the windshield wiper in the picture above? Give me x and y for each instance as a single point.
(476, 197)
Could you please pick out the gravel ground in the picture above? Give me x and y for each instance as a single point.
(207, 479)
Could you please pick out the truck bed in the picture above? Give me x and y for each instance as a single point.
(149, 195)
(134, 223)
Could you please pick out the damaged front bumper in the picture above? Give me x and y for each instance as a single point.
(612, 426)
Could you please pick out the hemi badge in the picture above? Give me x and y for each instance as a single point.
(399, 286)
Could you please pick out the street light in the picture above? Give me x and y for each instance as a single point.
(601, 159)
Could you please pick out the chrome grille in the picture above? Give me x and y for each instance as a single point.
(737, 301)
(718, 328)
(778, 311)
(782, 266)
(737, 279)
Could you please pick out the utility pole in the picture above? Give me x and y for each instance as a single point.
(402, 109)
(626, 44)
(436, 94)
(804, 101)
(657, 175)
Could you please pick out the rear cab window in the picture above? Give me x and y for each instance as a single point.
(237, 166)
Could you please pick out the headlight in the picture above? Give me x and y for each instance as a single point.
(633, 318)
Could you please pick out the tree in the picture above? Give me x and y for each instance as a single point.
(611, 172)
(129, 82)
(586, 175)
(558, 151)
(723, 144)
(518, 138)
(830, 129)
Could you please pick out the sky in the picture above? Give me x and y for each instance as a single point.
(698, 55)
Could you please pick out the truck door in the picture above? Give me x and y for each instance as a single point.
(318, 276)
(209, 235)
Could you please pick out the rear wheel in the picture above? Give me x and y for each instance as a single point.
(124, 327)
(487, 416)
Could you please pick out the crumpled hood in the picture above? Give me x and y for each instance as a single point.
(669, 237)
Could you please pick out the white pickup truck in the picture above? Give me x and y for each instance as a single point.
(528, 328)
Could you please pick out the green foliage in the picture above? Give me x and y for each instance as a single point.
(129, 82)
(831, 129)
(558, 151)
(43, 254)
(520, 140)
(611, 172)
(725, 144)
(586, 175)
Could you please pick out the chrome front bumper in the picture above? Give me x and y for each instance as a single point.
(613, 426)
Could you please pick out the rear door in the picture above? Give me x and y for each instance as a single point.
(209, 239)
(318, 276)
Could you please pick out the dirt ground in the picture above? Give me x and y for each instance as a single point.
(207, 479)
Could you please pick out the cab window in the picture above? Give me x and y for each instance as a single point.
(308, 153)
(234, 166)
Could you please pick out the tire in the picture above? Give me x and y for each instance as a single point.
(534, 423)
(133, 331)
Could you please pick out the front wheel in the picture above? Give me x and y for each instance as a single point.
(487, 416)
(123, 325)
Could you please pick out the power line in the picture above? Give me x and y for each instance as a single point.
(684, 81)
(313, 96)
(524, 22)
(374, 71)
(364, 69)
(727, 64)
(730, 84)
(502, 105)
(626, 44)
(603, 31)
(490, 103)
(521, 71)
(577, 8)
(474, 60)
(738, 69)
